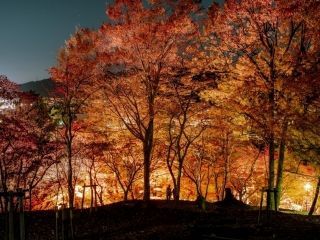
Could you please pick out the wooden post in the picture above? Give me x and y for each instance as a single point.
(57, 222)
(63, 222)
(11, 219)
(20, 196)
(1, 204)
(10, 199)
(4, 197)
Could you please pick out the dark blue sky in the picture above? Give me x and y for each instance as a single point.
(32, 31)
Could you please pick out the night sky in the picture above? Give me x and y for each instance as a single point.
(32, 31)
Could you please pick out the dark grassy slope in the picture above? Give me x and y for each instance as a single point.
(169, 221)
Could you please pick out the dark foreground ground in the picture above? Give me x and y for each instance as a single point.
(160, 220)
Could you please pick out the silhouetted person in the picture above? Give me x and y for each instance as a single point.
(228, 195)
(201, 202)
(168, 193)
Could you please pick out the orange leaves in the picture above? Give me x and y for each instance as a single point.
(149, 63)
(121, 10)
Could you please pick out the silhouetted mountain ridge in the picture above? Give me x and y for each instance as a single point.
(42, 87)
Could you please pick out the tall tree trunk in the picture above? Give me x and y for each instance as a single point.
(226, 166)
(315, 199)
(125, 195)
(147, 151)
(198, 188)
(207, 183)
(132, 195)
(177, 187)
(91, 189)
(271, 115)
(69, 139)
(281, 163)
(223, 186)
(174, 180)
(70, 176)
(280, 172)
(100, 195)
(216, 187)
(70, 190)
(270, 194)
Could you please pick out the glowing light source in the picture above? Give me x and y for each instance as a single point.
(78, 191)
(307, 187)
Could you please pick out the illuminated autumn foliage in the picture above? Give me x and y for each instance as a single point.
(169, 93)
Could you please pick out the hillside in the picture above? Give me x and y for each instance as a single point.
(162, 220)
(42, 87)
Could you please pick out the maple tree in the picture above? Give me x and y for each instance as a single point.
(199, 168)
(268, 43)
(26, 142)
(40, 129)
(165, 92)
(306, 139)
(73, 83)
(126, 164)
(141, 49)
(92, 155)
(8, 90)
(74, 88)
(184, 122)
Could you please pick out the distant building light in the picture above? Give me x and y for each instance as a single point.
(6, 104)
